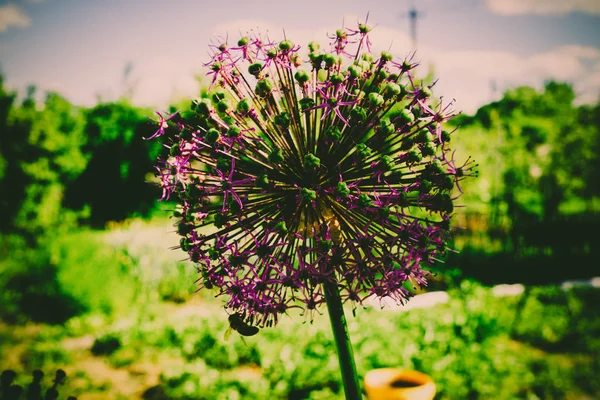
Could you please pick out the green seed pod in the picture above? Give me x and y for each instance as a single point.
(242, 107)
(445, 136)
(333, 132)
(316, 60)
(325, 245)
(243, 41)
(384, 212)
(386, 127)
(306, 103)
(220, 221)
(314, 46)
(234, 206)
(447, 182)
(262, 181)
(235, 260)
(214, 253)
(308, 195)
(283, 120)
(272, 53)
(223, 105)
(342, 189)
(254, 69)
(385, 56)
(311, 161)
(407, 143)
(425, 92)
(382, 74)
(212, 136)
(336, 79)
(185, 134)
(436, 167)
(228, 120)
(233, 132)
(376, 99)
(330, 60)
(405, 117)
(364, 65)
(425, 186)
(406, 66)
(428, 149)
(175, 150)
(364, 200)
(302, 77)
(387, 162)
(414, 156)
(184, 229)
(355, 71)
(286, 45)
(204, 107)
(391, 90)
(264, 87)
(217, 97)
(358, 114)
(281, 227)
(423, 136)
(185, 244)
(193, 191)
(276, 156)
(363, 150)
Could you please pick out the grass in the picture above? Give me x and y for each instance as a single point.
(158, 340)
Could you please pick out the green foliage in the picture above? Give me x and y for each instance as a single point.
(114, 184)
(542, 344)
(60, 164)
(41, 153)
(87, 267)
(535, 202)
(65, 277)
(29, 287)
(476, 346)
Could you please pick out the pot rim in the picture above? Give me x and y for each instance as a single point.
(383, 377)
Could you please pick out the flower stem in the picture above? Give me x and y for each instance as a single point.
(342, 341)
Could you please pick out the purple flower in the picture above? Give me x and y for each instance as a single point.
(290, 177)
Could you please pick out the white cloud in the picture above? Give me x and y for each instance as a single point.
(543, 7)
(12, 15)
(463, 75)
(467, 75)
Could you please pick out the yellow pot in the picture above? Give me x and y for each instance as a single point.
(398, 384)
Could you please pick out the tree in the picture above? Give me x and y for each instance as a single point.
(114, 184)
(41, 149)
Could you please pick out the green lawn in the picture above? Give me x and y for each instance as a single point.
(144, 332)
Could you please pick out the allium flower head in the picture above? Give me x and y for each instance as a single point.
(311, 167)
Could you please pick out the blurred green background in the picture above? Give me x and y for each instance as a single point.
(87, 282)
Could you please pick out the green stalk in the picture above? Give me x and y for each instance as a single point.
(342, 341)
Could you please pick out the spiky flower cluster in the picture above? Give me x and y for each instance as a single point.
(334, 169)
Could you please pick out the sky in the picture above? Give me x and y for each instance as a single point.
(153, 50)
